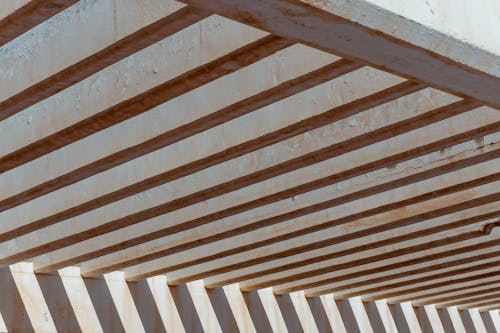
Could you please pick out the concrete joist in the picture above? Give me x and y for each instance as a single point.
(18, 17)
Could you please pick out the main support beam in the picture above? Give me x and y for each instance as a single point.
(317, 24)
(29, 15)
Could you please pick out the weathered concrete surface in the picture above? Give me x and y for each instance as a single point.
(64, 302)
(19, 16)
(153, 137)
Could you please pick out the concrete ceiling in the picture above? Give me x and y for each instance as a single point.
(325, 146)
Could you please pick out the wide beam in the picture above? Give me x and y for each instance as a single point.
(316, 24)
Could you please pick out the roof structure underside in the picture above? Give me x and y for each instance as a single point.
(324, 146)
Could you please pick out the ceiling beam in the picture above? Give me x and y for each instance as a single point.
(317, 24)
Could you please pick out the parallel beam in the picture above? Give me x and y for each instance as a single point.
(381, 293)
(403, 270)
(232, 152)
(299, 240)
(442, 297)
(233, 111)
(149, 99)
(87, 269)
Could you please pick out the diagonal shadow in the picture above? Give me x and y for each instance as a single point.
(12, 308)
(57, 300)
(104, 306)
(488, 322)
(348, 316)
(187, 311)
(319, 314)
(467, 321)
(257, 312)
(444, 315)
(223, 310)
(399, 318)
(146, 306)
(289, 313)
(423, 319)
(373, 314)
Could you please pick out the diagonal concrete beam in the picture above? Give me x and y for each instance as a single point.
(476, 302)
(445, 295)
(480, 270)
(291, 238)
(306, 273)
(159, 232)
(442, 262)
(310, 158)
(169, 166)
(238, 109)
(147, 100)
(318, 24)
(130, 257)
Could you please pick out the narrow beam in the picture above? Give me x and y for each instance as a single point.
(371, 190)
(194, 127)
(149, 99)
(295, 239)
(442, 297)
(383, 256)
(330, 116)
(491, 268)
(459, 255)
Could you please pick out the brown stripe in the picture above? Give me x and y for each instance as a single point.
(308, 159)
(468, 301)
(323, 226)
(373, 230)
(446, 283)
(145, 101)
(233, 111)
(29, 16)
(462, 250)
(352, 264)
(318, 245)
(230, 153)
(449, 282)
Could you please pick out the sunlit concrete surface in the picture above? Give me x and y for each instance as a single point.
(249, 165)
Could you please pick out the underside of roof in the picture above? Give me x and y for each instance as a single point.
(317, 146)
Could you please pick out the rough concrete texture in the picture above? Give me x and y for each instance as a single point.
(196, 160)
